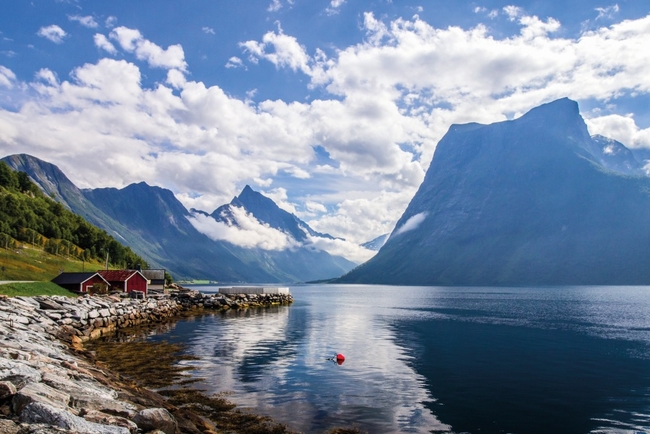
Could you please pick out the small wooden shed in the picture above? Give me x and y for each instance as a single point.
(156, 278)
(81, 283)
(126, 280)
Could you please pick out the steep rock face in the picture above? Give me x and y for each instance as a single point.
(522, 202)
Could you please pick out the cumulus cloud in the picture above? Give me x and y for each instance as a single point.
(245, 231)
(621, 128)
(282, 50)
(54, 33)
(350, 251)
(103, 43)
(234, 62)
(132, 41)
(86, 21)
(383, 105)
(412, 223)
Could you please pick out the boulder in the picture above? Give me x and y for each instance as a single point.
(151, 419)
(39, 392)
(38, 412)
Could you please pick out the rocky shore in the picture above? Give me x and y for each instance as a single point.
(49, 384)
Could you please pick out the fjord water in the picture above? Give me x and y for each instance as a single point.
(434, 359)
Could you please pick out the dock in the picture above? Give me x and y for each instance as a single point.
(254, 290)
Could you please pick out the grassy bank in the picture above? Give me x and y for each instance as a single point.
(33, 263)
(31, 289)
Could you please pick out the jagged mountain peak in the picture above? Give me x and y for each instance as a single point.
(266, 211)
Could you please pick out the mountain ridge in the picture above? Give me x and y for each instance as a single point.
(155, 224)
(521, 202)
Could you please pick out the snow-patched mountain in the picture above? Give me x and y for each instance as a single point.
(530, 201)
(254, 220)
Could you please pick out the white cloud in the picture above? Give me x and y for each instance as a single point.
(102, 42)
(132, 41)
(383, 105)
(86, 21)
(7, 77)
(334, 6)
(54, 33)
(282, 50)
(350, 251)
(621, 128)
(48, 76)
(412, 223)
(608, 12)
(315, 206)
(208, 30)
(234, 62)
(246, 231)
(513, 12)
(110, 22)
(275, 6)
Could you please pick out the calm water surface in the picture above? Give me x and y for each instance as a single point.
(433, 359)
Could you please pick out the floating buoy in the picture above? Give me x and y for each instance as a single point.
(340, 358)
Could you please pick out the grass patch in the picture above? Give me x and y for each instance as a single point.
(33, 263)
(34, 288)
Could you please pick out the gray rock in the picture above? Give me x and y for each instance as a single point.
(151, 419)
(38, 412)
(108, 419)
(48, 303)
(18, 373)
(39, 392)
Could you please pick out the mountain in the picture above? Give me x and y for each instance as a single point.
(302, 257)
(376, 243)
(530, 201)
(158, 227)
(267, 211)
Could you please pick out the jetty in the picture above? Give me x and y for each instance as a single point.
(254, 290)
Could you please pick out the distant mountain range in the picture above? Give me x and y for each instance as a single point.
(531, 201)
(159, 228)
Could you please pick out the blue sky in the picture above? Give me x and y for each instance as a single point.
(332, 108)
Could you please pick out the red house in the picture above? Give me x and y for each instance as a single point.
(125, 280)
(81, 282)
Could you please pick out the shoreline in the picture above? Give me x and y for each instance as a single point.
(50, 383)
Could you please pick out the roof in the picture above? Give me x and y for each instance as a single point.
(157, 274)
(74, 278)
(119, 275)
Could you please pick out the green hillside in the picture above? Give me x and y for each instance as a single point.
(25, 262)
(39, 237)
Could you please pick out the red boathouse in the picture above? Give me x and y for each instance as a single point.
(125, 280)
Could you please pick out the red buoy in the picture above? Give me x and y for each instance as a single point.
(340, 358)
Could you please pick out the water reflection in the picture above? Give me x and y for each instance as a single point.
(435, 359)
(276, 361)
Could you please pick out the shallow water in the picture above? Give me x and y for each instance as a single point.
(429, 359)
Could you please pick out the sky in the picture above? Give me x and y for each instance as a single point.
(331, 108)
